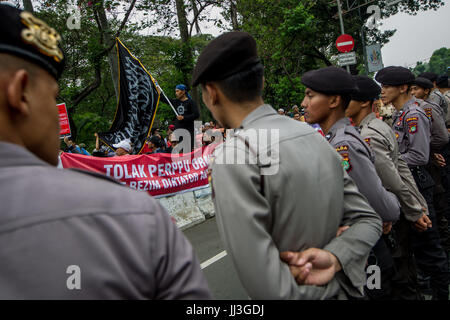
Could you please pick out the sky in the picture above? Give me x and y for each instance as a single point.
(417, 36)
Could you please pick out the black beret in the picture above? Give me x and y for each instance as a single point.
(367, 89)
(395, 76)
(442, 81)
(330, 80)
(423, 83)
(429, 75)
(225, 56)
(31, 39)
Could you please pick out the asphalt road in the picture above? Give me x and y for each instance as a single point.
(217, 266)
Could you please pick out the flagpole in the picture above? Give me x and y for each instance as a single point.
(162, 91)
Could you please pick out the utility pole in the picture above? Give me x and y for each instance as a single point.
(342, 24)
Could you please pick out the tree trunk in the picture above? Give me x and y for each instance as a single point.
(108, 41)
(185, 40)
(28, 6)
(233, 15)
(194, 7)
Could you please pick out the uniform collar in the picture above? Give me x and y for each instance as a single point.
(13, 155)
(341, 123)
(367, 119)
(260, 112)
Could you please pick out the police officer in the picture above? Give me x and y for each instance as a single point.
(394, 174)
(435, 95)
(327, 95)
(412, 128)
(68, 234)
(421, 89)
(253, 180)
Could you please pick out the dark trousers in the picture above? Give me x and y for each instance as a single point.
(428, 252)
(404, 280)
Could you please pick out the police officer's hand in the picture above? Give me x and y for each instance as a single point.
(439, 159)
(387, 226)
(341, 230)
(180, 117)
(423, 223)
(312, 266)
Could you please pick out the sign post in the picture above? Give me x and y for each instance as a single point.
(374, 58)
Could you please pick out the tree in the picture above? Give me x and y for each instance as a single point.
(439, 62)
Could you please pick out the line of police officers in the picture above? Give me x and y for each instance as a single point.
(402, 160)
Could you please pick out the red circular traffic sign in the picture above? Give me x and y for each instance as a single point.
(345, 43)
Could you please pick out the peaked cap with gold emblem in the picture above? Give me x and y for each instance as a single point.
(30, 38)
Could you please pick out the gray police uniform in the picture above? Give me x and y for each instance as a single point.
(412, 128)
(437, 97)
(439, 133)
(358, 160)
(293, 202)
(387, 157)
(397, 178)
(55, 221)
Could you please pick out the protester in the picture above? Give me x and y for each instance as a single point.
(155, 145)
(122, 243)
(72, 147)
(187, 111)
(123, 148)
(101, 150)
(281, 111)
(260, 218)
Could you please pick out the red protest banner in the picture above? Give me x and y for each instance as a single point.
(63, 120)
(159, 174)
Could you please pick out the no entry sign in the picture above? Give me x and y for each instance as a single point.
(63, 121)
(345, 43)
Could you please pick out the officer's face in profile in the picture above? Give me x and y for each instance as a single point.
(419, 92)
(353, 109)
(391, 93)
(316, 105)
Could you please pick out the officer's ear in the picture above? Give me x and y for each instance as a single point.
(366, 104)
(18, 92)
(210, 93)
(334, 101)
(404, 88)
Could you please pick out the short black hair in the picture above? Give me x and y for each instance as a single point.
(346, 98)
(245, 85)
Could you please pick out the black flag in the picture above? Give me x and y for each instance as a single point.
(138, 102)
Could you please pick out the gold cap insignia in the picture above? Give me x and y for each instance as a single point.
(41, 36)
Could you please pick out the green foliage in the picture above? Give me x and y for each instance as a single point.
(293, 36)
(439, 62)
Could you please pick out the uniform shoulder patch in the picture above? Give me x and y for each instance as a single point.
(429, 113)
(341, 148)
(367, 140)
(412, 127)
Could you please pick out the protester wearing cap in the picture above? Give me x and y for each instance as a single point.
(256, 214)
(327, 96)
(281, 112)
(187, 112)
(436, 96)
(395, 177)
(73, 224)
(123, 148)
(412, 128)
